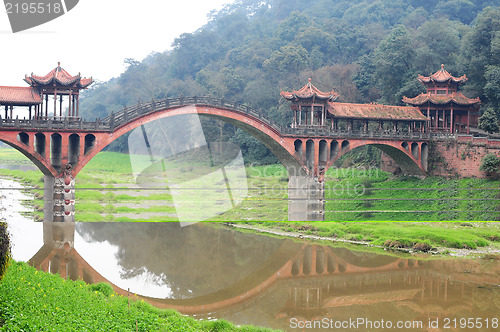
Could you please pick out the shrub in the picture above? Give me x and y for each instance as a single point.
(488, 121)
(4, 248)
(490, 164)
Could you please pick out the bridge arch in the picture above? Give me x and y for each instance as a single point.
(410, 156)
(285, 149)
(35, 153)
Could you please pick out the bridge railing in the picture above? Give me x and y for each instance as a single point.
(49, 123)
(311, 132)
(129, 113)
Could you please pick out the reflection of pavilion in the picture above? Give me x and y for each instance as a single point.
(316, 279)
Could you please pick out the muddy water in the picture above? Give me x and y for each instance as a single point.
(207, 270)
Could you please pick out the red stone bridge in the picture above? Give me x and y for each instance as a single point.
(61, 146)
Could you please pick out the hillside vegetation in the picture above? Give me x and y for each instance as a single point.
(367, 50)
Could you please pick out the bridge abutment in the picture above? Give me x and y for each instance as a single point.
(305, 199)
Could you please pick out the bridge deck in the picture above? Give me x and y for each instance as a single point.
(115, 120)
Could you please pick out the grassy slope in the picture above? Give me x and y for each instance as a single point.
(408, 198)
(37, 301)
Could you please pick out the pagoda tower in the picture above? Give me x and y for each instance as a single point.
(309, 106)
(59, 84)
(447, 109)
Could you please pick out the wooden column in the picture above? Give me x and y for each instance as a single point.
(55, 102)
(468, 121)
(60, 105)
(452, 123)
(11, 111)
(77, 103)
(312, 115)
(46, 105)
(70, 110)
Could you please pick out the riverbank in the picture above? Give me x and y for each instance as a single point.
(464, 240)
(31, 300)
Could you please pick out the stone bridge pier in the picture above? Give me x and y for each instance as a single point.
(305, 199)
(59, 197)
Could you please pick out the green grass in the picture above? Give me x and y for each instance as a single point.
(405, 198)
(31, 300)
(450, 235)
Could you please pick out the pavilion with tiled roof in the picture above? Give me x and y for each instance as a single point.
(58, 82)
(447, 109)
(309, 105)
(314, 109)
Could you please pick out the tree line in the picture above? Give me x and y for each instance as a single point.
(367, 50)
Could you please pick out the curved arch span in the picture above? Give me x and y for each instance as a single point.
(397, 151)
(30, 153)
(282, 147)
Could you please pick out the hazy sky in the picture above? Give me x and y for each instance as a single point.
(97, 35)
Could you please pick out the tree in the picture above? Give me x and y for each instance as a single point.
(480, 48)
(489, 121)
(462, 10)
(393, 62)
(290, 58)
(437, 42)
(289, 28)
(492, 87)
(490, 165)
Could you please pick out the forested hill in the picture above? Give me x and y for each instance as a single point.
(367, 50)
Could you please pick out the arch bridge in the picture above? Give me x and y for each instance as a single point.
(61, 146)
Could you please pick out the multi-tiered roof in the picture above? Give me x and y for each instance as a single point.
(442, 88)
(310, 92)
(58, 77)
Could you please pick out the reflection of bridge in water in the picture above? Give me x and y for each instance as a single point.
(316, 279)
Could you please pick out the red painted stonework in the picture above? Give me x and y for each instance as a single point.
(283, 146)
(461, 157)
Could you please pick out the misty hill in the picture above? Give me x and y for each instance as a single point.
(367, 50)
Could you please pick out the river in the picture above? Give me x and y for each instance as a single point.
(212, 271)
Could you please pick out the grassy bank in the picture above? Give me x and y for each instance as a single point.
(373, 195)
(416, 236)
(107, 191)
(31, 300)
